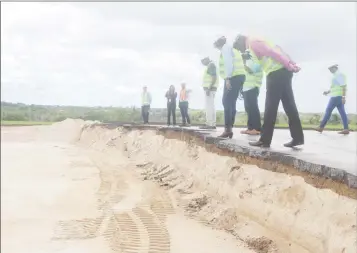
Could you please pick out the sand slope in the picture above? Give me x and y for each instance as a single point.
(90, 189)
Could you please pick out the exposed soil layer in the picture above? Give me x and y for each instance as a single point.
(275, 166)
(274, 209)
(94, 189)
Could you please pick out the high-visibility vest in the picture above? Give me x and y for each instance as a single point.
(256, 78)
(207, 78)
(337, 90)
(269, 64)
(145, 98)
(238, 66)
(253, 80)
(183, 95)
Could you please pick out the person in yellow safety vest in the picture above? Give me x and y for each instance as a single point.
(209, 84)
(231, 69)
(279, 69)
(183, 105)
(145, 104)
(251, 87)
(338, 99)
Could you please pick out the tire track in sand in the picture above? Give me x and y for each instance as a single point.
(158, 235)
(125, 234)
(127, 229)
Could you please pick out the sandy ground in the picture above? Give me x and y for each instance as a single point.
(58, 197)
(70, 187)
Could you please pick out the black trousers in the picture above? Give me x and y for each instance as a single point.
(279, 87)
(145, 113)
(184, 112)
(252, 108)
(171, 110)
(229, 99)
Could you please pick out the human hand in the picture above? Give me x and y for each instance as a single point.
(296, 69)
(343, 100)
(228, 84)
(325, 93)
(248, 70)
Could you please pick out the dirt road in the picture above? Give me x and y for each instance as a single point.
(58, 197)
(72, 188)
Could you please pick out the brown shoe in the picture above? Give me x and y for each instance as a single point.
(319, 129)
(345, 132)
(253, 132)
(227, 133)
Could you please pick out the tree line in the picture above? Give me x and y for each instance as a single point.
(49, 113)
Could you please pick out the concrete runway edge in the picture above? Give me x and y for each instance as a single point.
(261, 155)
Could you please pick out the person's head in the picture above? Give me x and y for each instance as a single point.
(145, 88)
(183, 85)
(205, 61)
(240, 43)
(172, 88)
(333, 68)
(219, 43)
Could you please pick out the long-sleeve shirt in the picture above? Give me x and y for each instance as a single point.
(261, 49)
(228, 59)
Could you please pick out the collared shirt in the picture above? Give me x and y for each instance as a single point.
(228, 59)
(148, 97)
(261, 49)
(338, 79)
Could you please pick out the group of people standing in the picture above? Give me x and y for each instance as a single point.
(171, 97)
(241, 66)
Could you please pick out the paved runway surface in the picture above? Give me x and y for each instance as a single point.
(328, 148)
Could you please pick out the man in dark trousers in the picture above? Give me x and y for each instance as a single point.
(183, 105)
(145, 105)
(231, 69)
(251, 87)
(279, 69)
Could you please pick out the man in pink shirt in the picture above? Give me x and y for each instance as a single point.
(279, 69)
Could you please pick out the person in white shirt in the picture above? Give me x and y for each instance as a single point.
(145, 104)
(210, 84)
(231, 69)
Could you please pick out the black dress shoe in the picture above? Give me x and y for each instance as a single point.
(293, 143)
(259, 144)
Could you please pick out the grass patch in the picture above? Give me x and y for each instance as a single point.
(24, 123)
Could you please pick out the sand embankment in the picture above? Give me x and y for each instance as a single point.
(118, 191)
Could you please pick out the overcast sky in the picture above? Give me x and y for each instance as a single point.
(93, 53)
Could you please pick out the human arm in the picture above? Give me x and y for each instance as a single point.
(261, 49)
(252, 66)
(227, 55)
(150, 98)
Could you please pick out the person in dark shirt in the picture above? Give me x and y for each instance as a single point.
(171, 96)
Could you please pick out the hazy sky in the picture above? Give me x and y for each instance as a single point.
(103, 53)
